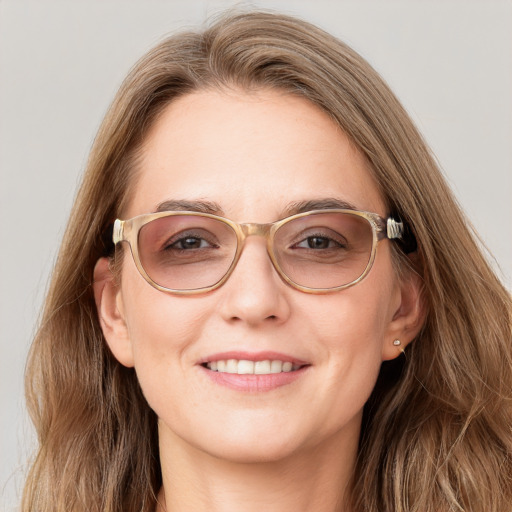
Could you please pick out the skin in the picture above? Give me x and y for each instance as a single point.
(290, 448)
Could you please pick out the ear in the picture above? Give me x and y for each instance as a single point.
(110, 312)
(407, 317)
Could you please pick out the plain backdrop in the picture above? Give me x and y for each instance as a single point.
(450, 62)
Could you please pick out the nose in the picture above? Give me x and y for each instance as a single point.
(254, 293)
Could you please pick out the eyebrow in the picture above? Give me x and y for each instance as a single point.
(190, 206)
(329, 203)
(293, 208)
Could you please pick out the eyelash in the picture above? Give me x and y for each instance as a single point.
(180, 237)
(329, 240)
(340, 242)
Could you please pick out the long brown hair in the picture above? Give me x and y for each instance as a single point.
(437, 430)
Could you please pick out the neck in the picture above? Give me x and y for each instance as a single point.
(315, 479)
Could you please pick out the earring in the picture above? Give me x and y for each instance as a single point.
(398, 343)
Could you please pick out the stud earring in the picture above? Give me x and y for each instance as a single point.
(398, 343)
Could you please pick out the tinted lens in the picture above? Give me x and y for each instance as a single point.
(324, 250)
(186, 252)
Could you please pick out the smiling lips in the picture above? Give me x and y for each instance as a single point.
(243, 371)
(246, 367)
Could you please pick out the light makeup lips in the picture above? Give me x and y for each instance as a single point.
(247, 367)
(253, 373)
(263, 363)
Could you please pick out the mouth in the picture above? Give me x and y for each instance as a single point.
(253, 372)
(249, 367)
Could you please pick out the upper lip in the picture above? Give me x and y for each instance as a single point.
(253, 356)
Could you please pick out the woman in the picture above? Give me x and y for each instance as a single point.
(295, 315)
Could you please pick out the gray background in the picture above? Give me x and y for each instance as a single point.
(450, 62)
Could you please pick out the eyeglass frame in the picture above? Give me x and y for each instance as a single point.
(128, 231)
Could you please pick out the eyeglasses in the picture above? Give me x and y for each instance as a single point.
(320, 251)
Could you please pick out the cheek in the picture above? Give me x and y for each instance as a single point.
(351, 334)
(352, 327)
(354, 321)
(161, 327)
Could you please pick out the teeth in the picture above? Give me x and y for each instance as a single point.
(231, 366)
(276, 366)
(261, 367)
(287, 367)
(245, 367)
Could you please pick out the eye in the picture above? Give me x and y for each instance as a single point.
(321, 241)
(189, 242)
(318, 242)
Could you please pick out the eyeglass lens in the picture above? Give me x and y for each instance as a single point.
(186, 252)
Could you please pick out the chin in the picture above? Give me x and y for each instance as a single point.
(255, 451)
(256, 442)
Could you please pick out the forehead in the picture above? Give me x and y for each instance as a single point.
(251, 153)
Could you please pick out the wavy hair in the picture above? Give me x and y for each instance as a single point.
(437, 430)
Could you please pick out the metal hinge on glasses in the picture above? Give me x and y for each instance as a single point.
(117, 234)
(394, 229)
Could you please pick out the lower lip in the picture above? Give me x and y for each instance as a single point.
(254, 383)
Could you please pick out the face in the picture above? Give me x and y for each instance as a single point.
(253, 155)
